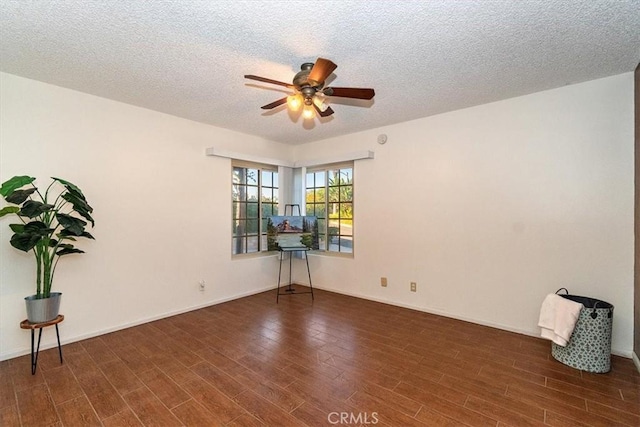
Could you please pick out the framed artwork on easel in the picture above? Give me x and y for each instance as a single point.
(289, 231)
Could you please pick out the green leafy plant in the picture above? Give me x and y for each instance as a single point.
(47, 229)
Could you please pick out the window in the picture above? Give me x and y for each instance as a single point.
(255, 197)
(329, 197)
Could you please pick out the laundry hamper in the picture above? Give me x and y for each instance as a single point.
(589, 348)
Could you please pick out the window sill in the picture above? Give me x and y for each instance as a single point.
(347, 255)
(252, 255)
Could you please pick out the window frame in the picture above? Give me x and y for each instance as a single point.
(236, 211)
(325, 220)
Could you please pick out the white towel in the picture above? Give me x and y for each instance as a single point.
(558, 317)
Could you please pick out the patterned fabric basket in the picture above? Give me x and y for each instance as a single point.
(589, 348)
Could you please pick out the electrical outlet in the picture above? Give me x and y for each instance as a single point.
(383, 282)
(201, 283)
(413, 286)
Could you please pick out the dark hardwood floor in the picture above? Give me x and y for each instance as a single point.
(336, 361)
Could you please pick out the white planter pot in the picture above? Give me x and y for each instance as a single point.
(43, 309)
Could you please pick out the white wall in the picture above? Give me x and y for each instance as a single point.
(487, 208)
(161, 207)
(492, 207)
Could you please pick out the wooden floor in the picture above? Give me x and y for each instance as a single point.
(337, 361)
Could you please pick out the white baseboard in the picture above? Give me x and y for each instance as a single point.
(136, 323)
(636, 361)
(530, 333)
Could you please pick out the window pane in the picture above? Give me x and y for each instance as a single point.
(346, 210)
(320, 194)
(310, 210)
(334, 178)
(252, 226)
(267, 194)
(238, 245)
(238, 227)
(274, 196)
(346, 193)
(319, 179)
(346, 227)
(252, 193)
(267, 210)
(321, 212)
(310, 180)
(346, 175)
(334, 210)
(239, 210)
(346, 244)
(252, 176)
(252, 210)
(334, 227)
(252, 244)
(334, 194)
(267, 178)
(237, 192)
(309, 196)
(239, 176)
(322, 226)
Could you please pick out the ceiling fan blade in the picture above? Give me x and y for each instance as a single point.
(275, 104)
(266, 80)
(326, 113)
(320, 71)
(350, 92)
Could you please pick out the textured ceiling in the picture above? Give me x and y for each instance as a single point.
(187, 58)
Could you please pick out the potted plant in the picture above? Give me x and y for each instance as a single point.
(50, 223)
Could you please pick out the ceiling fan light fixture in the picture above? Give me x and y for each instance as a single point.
(294, 102)
(308, 113)
(319, 102)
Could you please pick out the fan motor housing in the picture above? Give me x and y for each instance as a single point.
(301, 79)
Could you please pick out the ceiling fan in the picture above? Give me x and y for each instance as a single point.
(309, 90)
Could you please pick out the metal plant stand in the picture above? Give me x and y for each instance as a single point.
(25, 324)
